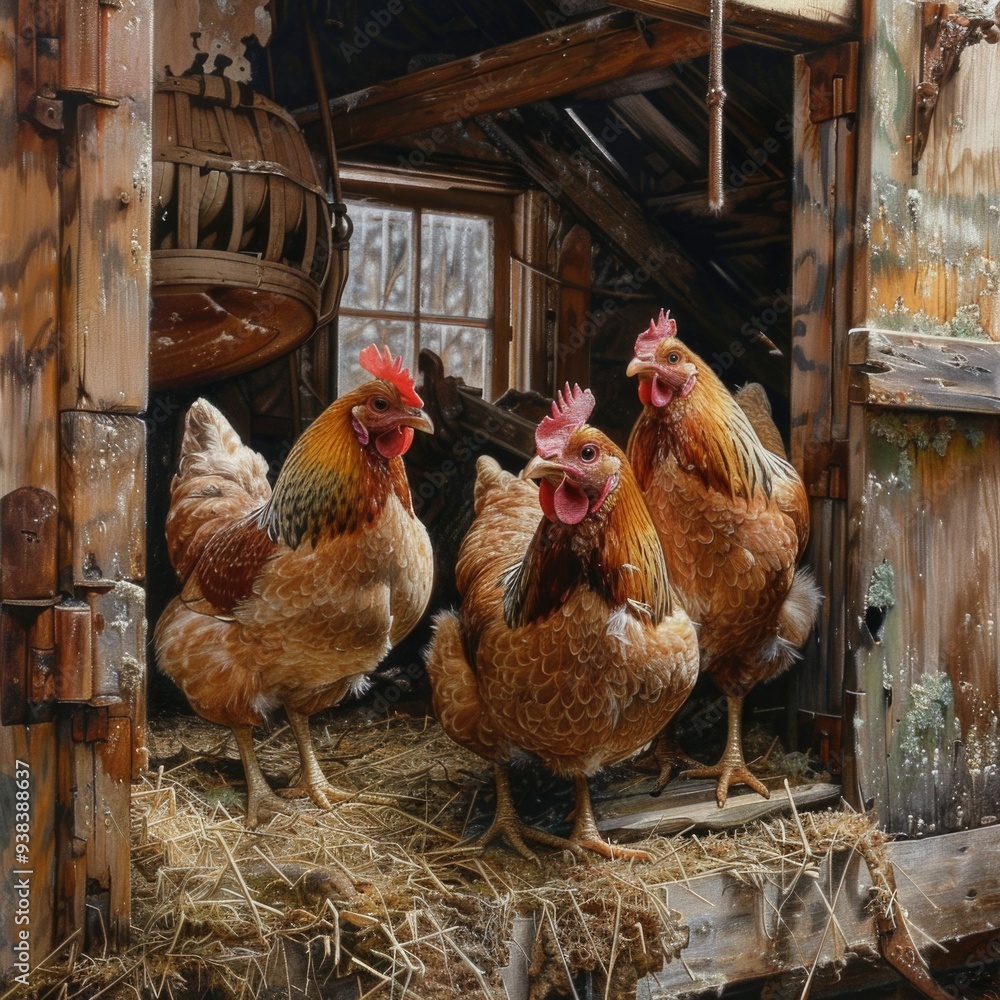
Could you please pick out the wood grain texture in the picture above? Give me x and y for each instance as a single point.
(927, 242)
(572, 345)
(103, 498)
(920, 372)
(934, 878)
(771, 22)
(106, 224)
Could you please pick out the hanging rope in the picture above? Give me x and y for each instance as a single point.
(715, 98)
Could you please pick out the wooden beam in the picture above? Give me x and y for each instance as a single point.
(797, 26)
(909, 371)
(536, 68)
(792, 924)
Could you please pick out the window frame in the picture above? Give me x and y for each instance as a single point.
(364, 184)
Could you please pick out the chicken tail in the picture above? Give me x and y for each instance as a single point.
(753, 401)
(218, 481)
(798, 613)
(490, 478)
(211, 447)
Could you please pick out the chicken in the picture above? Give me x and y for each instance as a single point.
(569, 646)
(734, 520)
(290, 598)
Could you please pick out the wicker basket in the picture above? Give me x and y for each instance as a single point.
(244, 264)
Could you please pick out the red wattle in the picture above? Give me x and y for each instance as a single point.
(570, 502)
(660, 393)
(394, 442)
(645, 391)
(545, 498)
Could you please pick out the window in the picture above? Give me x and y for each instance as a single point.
(429, 269)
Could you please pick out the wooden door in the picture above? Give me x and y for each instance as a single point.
(74, 304)
(897, 391)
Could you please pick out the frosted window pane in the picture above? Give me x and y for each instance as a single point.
(355, 333)
(380, 273)
(456, 265)
(464, 351)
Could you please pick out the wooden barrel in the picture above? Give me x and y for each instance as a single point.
(243, 259)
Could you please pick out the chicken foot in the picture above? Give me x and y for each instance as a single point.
(312, 782)
(262, 802)
(731, 768)
(508, 824)
(665, 756)
(585, 833)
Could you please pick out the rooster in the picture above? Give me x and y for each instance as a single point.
(292, 597)
(734, 520)
(569, 646)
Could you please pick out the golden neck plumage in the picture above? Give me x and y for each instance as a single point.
(710, 436)
(330, 482)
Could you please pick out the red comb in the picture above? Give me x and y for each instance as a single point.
(381, 365)
(570, 410)
(645, 345)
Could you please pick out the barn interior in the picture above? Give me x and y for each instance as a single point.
(593, 187)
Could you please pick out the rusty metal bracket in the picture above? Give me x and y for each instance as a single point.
(833, 82)
(945, 38)
(825, 465)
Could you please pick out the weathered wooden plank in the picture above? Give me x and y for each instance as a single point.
(573, 308)
(601, 49)
(75, 802)
(105, 361)
(771, 22)
(103, 499)
(119, 617)
(780, 928)
(29, 290)
(910, 371)
(13, 668)
(108, 875)
(926, 242)
(821, 254)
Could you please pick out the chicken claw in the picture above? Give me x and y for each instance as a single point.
(312, 781)
(731, 768)
(262, 803)
(665, 756)
(508, 824)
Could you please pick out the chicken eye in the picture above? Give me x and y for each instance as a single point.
(588, 452)
(380, 403)
(673, 357)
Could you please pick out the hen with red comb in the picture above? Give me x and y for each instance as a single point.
(291, 597)
(568, 647)
(733, 517)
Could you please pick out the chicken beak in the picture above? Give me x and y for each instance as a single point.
(542, 468)
(637, 367)
(417, 419)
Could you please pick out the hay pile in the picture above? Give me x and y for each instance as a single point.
(375, 899)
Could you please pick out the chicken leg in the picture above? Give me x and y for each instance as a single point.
(731, 768)
(312, 781)
(261, 800)
(585, 833)
(508, 824)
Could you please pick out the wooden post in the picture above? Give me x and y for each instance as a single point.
(824, 112)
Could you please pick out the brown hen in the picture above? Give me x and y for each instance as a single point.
(734, 520)
(568, 647)
(290, 598)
